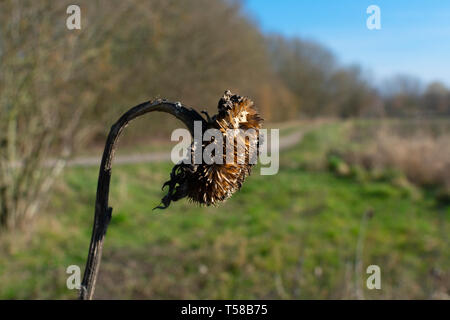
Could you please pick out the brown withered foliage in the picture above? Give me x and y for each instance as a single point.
(209, 184)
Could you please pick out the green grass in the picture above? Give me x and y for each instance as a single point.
(293, 235)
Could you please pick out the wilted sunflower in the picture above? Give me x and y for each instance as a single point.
(209, 184)
(202, 183)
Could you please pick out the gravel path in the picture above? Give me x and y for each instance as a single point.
(285, 143)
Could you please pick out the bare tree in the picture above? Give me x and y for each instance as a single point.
(46, 77)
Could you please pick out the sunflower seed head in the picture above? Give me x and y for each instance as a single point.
(210, 184)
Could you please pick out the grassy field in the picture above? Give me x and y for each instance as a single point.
(300, 234)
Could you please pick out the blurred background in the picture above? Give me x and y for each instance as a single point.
(364, 119)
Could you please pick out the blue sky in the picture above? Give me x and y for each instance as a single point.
(414, 38)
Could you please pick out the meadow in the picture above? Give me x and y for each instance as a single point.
(308, 232)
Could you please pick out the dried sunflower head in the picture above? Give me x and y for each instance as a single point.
(208, 184)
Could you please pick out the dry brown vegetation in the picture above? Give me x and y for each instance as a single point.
(421, 154)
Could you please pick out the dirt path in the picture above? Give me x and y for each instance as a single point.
(285, 143)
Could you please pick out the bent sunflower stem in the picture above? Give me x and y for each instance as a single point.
(103, 212)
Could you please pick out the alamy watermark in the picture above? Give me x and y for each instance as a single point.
(373, 22)
(73, 21)
(374, 280)
(74, 280)
(234, 146)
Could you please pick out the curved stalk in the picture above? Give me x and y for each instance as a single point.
(102, 210)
